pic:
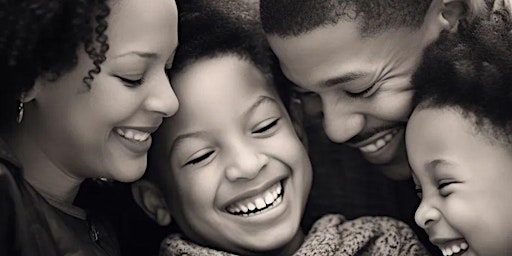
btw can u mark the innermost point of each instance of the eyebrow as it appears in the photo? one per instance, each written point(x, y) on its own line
point(181, 138)
point(147, 55)
point(261, 100)
point(435, 163)
point(345, 78)
point(197, 134)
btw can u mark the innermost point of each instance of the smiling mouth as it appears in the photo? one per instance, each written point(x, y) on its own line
point(379, 143)
point(454, 248)
point(258, 204)
point(133, 134)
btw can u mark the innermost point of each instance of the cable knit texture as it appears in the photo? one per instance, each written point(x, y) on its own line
point(331, 235)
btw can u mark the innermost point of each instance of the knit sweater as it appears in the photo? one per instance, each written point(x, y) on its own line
point(331, 235)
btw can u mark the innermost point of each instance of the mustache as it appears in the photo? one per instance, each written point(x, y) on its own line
point(368, 134)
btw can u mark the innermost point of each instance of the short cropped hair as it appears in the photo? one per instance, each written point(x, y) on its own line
point(286, 18)
point(471, 71)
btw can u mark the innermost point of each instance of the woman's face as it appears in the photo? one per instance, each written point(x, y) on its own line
point(104, 130)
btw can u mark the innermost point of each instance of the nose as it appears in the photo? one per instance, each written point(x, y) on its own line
point(426, 215)
point(341, 121)
point(245, 163)
point(161, 98)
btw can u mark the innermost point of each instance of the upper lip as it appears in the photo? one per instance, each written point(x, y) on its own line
point(442, 241)
point(363, 140)
point(254, 191)
point(148, 129)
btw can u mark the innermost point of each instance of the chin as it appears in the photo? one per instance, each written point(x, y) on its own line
point(129, 172)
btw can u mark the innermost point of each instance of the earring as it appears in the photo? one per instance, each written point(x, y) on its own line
point(20, 113)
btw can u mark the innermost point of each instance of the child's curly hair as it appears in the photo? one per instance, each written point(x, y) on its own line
point(471, 71)
point(42, 38)
point(225, 27)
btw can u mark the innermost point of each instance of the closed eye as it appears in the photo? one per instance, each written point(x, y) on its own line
point(130, 82)
point(200, 158)
point(443, 187)
point(361, 94)
point(266, 126)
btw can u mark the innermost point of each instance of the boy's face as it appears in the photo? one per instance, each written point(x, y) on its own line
point(363, 83)
point(465, 181)
point(238, 176)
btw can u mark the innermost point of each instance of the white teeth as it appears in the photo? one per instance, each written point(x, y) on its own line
point(133, 134)
point(260, 203)
point(267, 199)
point(453, 248)
point(380, 143)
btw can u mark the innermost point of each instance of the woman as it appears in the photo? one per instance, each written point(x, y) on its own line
point(84, 88)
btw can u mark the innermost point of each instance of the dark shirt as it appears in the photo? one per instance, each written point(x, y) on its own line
point(32, 224)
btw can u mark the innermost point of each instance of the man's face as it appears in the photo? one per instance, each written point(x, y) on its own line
point(363, 83)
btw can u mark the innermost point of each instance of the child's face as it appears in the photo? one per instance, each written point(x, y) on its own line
point(465, 182)
point(238, 175)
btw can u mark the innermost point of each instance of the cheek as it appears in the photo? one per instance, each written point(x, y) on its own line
point(395, 106)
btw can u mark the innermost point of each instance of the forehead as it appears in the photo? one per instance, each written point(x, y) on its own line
point(434, 133)
point(217, 89)
point(142, 24)
point(334, 49)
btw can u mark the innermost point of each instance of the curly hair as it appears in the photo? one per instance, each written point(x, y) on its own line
point(223, 27)
point(292, 18)
point(42, 38)
point(471, 72)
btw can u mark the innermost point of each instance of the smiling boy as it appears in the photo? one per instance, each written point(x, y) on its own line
point(459, 140)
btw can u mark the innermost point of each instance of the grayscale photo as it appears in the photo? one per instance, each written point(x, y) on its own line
point(256, 127)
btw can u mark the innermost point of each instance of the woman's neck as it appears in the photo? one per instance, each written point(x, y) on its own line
point(43, 173)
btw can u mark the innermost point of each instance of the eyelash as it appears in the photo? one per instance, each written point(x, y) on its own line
point(360, 94)
point(131, 83)
point(443, 185)
point(199, 159)
point(267, 127)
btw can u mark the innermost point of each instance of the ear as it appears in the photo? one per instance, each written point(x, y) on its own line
point(453, 11)
point(34, 91)
point(149, 197)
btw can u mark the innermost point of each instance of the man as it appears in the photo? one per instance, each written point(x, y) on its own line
point(358, 57)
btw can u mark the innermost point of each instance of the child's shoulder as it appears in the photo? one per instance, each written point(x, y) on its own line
point(176, 244)
point(383, 235)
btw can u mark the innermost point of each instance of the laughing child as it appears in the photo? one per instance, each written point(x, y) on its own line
point(459, 140)
point(229, 167)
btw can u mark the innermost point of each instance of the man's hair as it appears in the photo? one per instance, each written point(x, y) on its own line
point(471, 72)
point(292, 18)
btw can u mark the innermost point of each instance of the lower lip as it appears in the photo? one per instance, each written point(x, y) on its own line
point(137, 147)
